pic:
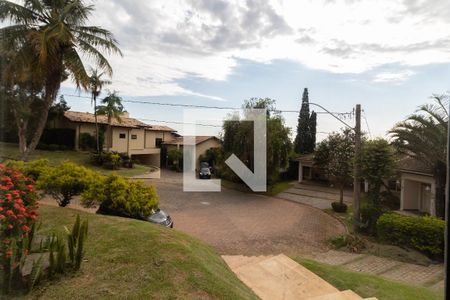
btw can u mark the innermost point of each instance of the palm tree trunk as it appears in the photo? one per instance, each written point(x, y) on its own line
point(341, 194)
point(96, 125)
point(110, 133)
point(440, 177)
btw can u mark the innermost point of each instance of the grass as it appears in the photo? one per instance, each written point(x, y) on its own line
point(11, 151)
point(130, 259)
point(272, 190)
point(367, 285)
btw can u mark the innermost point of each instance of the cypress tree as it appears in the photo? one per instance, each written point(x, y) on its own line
point(306, 128)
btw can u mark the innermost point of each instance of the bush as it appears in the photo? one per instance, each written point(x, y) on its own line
point(87, 141)
point(369, 217)
point(65, 181)
point(109, 160)
point(119, 196)
point(32, 169)
point(53, 147)
point(339, 207)
point(425, 234)
point(17, 218)
point(353, 243)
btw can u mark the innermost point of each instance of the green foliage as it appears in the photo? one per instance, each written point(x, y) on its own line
point(377, 164)
point(119, 196)
point(36, 273)
point(175, 157)
point(65, 181)
point(335, 156)
point(75, 242)
point(32, 169)
point(425, 234)
point(305, 140)
point(351, 242)
point(57, 255)
point(370, 213)
point(339, 207)
point(237, 140)
point(87, 141)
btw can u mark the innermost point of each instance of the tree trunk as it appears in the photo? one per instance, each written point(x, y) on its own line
point(96, 124)
point(52, 86)
point(341, 194)
point(110, 133)
point(440, 177)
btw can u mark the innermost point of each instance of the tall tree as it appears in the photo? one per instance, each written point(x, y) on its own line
point(112, 108)
point(236, 139)
point(335, 155)
point(44, 45)
point(96, 84)
point(305, 141)
point(423, 135)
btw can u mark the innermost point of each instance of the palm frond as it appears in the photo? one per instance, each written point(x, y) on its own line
point(17, 13)
point(92, 52)
point(76, 67)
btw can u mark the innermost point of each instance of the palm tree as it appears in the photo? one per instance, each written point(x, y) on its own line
point(112, 108)
point(423, 135)
point(45, 43)
point(96, 84)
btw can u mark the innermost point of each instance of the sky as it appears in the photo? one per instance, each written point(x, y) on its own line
point(390, 56)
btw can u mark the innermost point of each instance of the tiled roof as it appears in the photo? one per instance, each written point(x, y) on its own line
point(414, 165)
point(198, 140)
point(305, 158)
point(84, 117)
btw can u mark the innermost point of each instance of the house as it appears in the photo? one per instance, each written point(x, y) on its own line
point(202, 144)
point(139, 140)
point(418, 186)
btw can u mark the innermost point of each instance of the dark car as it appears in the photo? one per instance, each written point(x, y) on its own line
point(205, 173)
point(160, 217)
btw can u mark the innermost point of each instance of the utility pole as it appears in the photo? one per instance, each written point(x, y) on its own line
point(447, 218)
point(357, 169)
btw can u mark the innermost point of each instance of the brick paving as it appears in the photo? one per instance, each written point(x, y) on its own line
point(245, 223)
point(429, 276)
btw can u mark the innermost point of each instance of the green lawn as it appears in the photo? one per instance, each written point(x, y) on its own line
point(367, 285)
point(272, 190)
point(11, 151)
point(130, 259)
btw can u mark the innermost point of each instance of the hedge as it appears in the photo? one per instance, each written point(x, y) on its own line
point(425, 234)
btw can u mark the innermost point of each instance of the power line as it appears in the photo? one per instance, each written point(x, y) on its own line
point(181, 123)
point(367, 123)
point(342, 114)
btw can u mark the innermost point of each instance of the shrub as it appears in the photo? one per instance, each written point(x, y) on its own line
point(111, 161)
point(425, 234)
point(87, 141)
point(119, 196)
point(369, 216)
point(75, 242)
point(18, 211)
point(339, 207)
point(32, 169)
point(65, 181)
point(352, 242)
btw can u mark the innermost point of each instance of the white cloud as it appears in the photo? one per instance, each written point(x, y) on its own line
point(394, 77)
point(166, 41)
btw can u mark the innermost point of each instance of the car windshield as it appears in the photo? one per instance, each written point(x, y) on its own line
point(204, 170)
point(158, 217)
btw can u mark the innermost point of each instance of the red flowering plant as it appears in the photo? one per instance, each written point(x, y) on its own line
point(18, 212)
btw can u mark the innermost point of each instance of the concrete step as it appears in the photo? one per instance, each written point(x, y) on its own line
point(334, 196)
point(342, 295)
point(236, 261)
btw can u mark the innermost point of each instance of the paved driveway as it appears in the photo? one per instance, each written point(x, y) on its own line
point(245, 223)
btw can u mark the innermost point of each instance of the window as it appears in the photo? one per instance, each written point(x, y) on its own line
point(122, 136)
point(158, 142)
point(133, 136)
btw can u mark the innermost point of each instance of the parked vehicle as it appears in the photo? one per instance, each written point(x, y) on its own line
point(161, 218)
point(205, 173)
point(158, 216)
